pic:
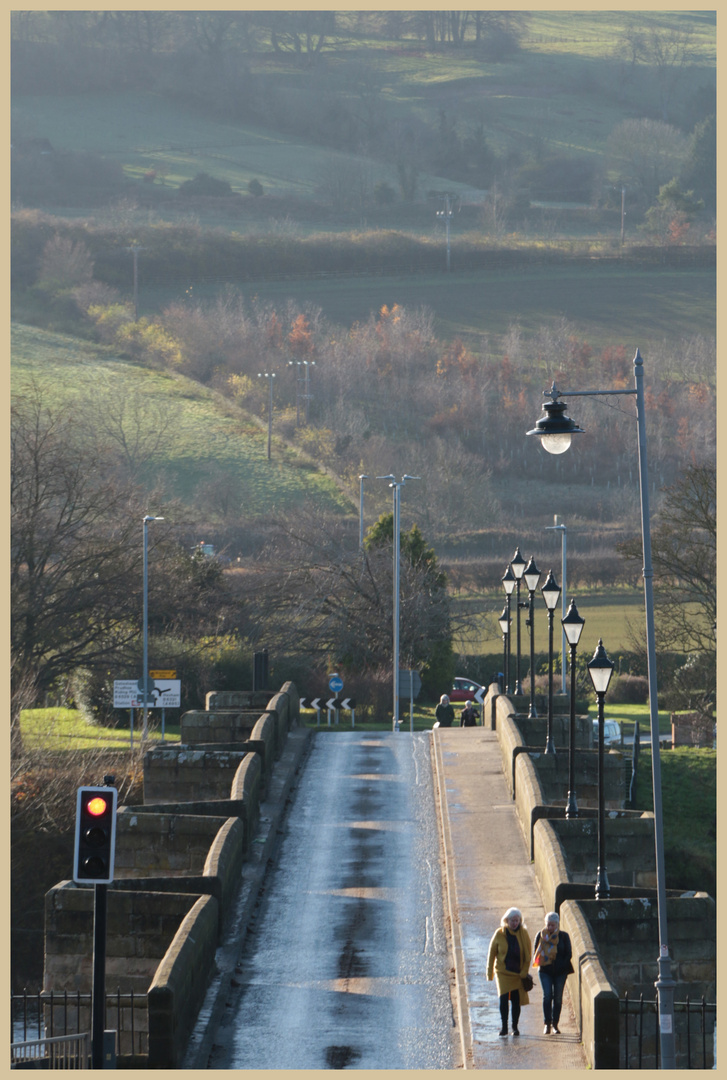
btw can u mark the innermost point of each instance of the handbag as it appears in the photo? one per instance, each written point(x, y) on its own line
point(527, 982)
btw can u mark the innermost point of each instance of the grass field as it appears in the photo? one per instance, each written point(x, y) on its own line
point(208, 444)
point(65, 730)
point(607, 614)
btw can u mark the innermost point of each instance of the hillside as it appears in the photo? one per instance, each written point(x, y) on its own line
point(212, 457)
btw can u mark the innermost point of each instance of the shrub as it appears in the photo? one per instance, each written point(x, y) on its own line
point(384, 194)
point(255, 188)
point(204, 184)
point(628, 690)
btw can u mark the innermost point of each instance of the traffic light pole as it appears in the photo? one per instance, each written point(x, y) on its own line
point(98, 992)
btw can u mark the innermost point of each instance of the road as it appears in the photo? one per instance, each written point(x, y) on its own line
point(347, 963)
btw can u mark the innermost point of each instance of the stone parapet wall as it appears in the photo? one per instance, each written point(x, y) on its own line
point(221, 726)
point(184, 774)
point(180, 984)
point(236, 699)
point(166, 844)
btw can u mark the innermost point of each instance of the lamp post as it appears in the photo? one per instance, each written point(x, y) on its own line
point(269, 376)
point(397, 486)
point(555, 429)
point(361, 479)
point(508, 581)
point(600, 669)
point(517, 565)
point(504, 622)
point(558, 527)
point(573, 624)
point(532, 577)
point(144, 685)
point(551, 595)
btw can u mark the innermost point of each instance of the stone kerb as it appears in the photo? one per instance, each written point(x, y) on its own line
point(180, 983)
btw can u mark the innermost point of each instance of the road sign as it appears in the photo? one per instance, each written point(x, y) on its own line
point(166, 674)
point(335, 683)
point(163, 694)
point(407, 683)
point(348, 703)
point(480, 695)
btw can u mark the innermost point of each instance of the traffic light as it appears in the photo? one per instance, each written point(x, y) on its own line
point(93, 856)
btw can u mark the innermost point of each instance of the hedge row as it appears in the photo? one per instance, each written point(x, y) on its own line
point(182, 254)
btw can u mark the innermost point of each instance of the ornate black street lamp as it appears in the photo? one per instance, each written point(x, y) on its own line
point(551, 595)
point(532, 577)
point(504, 622)
point(572, 625)
point(517, 565)
point(600, 669)
point(508, 581)
point(555, 430)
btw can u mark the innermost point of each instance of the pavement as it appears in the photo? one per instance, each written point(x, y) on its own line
point(487, 870)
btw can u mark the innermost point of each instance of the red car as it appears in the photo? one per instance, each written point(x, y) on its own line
point(465, 690)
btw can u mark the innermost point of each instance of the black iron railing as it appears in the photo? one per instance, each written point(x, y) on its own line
point(694, 1031)
point(47, 1014)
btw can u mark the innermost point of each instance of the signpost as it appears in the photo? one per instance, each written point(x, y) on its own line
point(163, 692)
point(410, 683)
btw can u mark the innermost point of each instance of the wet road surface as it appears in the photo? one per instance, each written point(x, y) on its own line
point(346, 964)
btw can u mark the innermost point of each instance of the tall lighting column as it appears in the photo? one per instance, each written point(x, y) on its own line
point(145, 628)
point(600, 669)
point(532, 577)
point(397, 486)
point(551, 594)
point(269, 376)
point(361, 479)
point(558, 527)
point(555, 429)
point(517, 565)
point(573, 624)
point(508, 581)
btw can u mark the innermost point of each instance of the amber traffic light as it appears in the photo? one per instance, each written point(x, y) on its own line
point(93, 856)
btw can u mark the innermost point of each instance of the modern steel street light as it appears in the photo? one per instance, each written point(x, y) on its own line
point(559, 527)
point(504, 622)
point(145, 683)
point(361, 479)
point(551, 595)
point(573, 624)
point(532, 577)
point(517, 565)
point(269, 376)
point(600, 669)
point(508, 581)
point(397, 486)
point(555, 430)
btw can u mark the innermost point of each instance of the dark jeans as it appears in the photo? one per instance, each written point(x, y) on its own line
point(514, 996)
point(553, 986)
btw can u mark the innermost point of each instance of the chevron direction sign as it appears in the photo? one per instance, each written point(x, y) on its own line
point(328, 703)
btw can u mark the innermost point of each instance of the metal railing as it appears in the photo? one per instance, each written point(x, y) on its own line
point(694, 1031)
point(47, 1015)
point(61, 1052)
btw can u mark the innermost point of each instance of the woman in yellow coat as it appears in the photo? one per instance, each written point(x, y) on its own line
point(509, 962)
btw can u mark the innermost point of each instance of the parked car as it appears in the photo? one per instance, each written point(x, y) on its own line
point(464, 689)
point(611, 733)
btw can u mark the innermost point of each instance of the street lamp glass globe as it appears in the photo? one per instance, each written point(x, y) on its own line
point(531, 575)
point(517, 564)
point(556, 444)
point(600, 669)
point(550, 591)
point(508, 581)
point(573, 624)
point(504, 621)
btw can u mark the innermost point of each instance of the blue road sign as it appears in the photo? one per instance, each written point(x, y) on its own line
point(335, 683)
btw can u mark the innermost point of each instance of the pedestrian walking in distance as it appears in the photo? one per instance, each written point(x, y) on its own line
point(552, 957)
point(509, 961)
point(444, 712)
point(468, 716)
